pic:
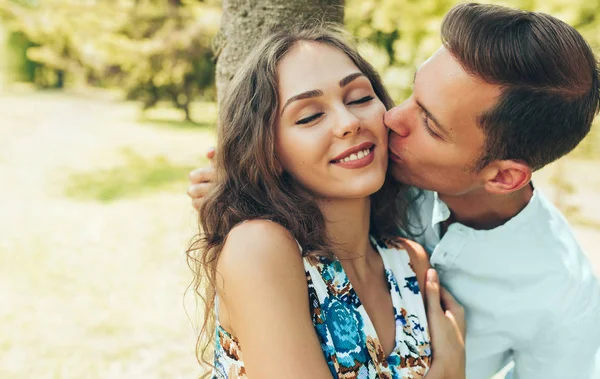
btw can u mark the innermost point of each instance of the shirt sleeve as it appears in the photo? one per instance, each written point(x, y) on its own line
point(567, 347)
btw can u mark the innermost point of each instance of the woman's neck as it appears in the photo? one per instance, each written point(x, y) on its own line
point(347, 223)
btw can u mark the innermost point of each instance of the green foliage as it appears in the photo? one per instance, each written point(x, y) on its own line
point(153, 50)
point(175, 45)
point(137, 176)
point(20, 67)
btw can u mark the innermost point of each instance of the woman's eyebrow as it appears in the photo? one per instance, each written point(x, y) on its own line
point(344, 82)
point(301, 96)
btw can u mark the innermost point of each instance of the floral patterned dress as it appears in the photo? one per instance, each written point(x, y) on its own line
point(347, 335)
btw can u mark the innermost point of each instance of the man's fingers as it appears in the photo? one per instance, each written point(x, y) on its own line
point(202, 175)
point(210, 154)
point(196, 191)
point(197, 203)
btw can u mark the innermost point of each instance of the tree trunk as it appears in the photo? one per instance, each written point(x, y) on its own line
point(244, 21)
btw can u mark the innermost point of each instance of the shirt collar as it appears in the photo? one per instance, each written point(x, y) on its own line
point(441, 212)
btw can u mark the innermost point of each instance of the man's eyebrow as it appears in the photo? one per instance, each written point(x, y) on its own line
point(301, 96)
point(440, 127)
point(344, 82)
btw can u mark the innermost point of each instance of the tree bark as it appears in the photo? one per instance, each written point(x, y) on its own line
point(244, 21)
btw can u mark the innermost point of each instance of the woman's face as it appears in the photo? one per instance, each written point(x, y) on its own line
point(330, 134)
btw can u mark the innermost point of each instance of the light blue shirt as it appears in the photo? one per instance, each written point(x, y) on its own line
point(528, 290)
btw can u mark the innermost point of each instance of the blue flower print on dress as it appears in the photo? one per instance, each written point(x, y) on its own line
point(412, 284)
point(392, 284)
point(346, 328)
point(338, 283)
point(318, 319)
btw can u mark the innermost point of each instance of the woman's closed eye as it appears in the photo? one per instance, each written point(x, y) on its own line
point(309, 119)
point(362, 100)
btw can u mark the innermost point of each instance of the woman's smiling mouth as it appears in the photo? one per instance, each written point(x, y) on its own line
point(356, 157)
point(353, 157)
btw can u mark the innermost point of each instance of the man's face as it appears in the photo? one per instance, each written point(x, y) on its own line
point(435, 140)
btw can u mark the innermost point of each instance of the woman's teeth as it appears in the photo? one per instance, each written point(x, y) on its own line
point(353, 157)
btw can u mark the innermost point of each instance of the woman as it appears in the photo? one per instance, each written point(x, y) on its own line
point(300, 211)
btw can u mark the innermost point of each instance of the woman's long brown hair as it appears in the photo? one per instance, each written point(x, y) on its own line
point(249, 183)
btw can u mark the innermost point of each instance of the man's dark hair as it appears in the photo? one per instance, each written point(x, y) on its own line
point(548, 74)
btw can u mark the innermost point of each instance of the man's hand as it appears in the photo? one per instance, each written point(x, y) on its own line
point(201, 182)
point(447, 326)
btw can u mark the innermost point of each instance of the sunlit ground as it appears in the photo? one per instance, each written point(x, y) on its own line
point(94, 222)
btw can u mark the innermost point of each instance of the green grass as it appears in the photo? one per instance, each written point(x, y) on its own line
point(136, 177)
point(96, 289)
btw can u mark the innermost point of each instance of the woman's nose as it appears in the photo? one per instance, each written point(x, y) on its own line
point(348, 124)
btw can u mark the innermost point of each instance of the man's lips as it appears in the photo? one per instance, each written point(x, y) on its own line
point(395, 157)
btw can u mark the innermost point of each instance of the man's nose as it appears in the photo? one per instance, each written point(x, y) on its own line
point(397, 118)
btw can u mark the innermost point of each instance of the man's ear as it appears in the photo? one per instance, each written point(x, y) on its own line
point(507, 176)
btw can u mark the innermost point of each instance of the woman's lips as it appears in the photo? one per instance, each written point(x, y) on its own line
point(358, 163)
point(353, 150)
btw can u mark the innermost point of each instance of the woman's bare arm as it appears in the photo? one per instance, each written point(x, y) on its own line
point(263, 287)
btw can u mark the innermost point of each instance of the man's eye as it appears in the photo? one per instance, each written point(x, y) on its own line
point(308, 119)
point(428, 128)
point(362, 100)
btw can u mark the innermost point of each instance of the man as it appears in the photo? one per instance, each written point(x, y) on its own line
point(509, 92)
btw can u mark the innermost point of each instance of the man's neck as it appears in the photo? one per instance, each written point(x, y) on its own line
point(484, 211)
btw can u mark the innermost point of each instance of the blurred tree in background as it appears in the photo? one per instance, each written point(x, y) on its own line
point(151, 49)
point(161, 49)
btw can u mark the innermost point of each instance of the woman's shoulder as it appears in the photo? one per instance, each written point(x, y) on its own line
point(258, 245)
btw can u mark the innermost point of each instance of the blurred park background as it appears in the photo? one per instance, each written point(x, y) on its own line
point(105, 106)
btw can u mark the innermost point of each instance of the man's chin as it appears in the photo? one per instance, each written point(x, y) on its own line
point(398, 172)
